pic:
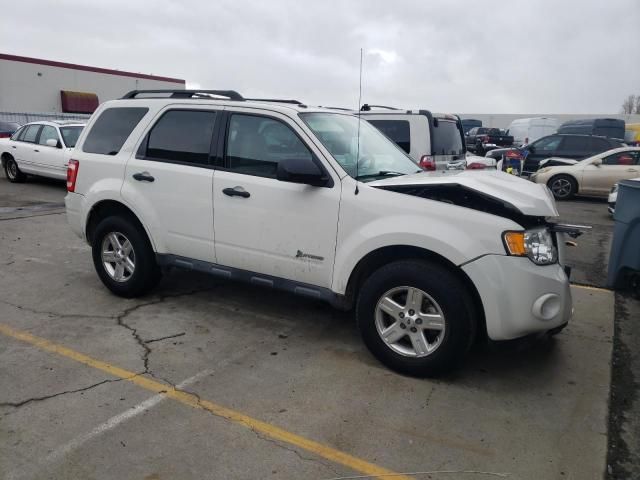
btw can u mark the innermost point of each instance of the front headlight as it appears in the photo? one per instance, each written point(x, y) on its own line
point(537, 244)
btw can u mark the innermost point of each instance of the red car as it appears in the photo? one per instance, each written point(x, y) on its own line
point(8, 128)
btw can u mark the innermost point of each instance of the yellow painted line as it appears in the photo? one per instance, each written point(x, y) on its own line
point(191, 400)
point(587, 287)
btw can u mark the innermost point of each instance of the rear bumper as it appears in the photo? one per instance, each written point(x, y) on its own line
point(519, 297)
point(74, 203)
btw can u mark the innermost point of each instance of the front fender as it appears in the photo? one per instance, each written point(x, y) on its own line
point(373, 220)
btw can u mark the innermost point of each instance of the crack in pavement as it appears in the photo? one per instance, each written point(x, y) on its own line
point(176, 335)
point(58, 394)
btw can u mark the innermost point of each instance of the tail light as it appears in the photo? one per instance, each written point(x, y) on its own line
point(476, 166)
point(427, 163)
point(4, 135)
point(72, 175)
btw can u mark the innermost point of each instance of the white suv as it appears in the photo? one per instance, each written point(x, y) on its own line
point(268, 193)
point(39, 148)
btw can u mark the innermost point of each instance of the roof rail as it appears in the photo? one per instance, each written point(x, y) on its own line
point(336, 108)
point(276, 100)
point(366, 107)
point(199, 94)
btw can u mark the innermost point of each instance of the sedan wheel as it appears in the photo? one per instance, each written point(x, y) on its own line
point(562, 187)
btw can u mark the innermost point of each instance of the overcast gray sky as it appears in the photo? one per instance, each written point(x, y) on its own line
point(508, 56)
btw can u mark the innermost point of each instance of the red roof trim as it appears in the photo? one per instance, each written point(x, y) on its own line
point(85, 68)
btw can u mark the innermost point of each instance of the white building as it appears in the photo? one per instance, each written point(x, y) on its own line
point(37, 85)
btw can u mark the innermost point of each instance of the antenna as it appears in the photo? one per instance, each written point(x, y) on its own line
point(358, 144)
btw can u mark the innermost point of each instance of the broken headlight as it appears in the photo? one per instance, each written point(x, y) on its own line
point(537, 244)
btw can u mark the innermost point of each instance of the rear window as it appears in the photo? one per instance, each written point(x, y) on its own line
point(447, 138)
point(396, 130)
point(70, 135)
point(111, 130)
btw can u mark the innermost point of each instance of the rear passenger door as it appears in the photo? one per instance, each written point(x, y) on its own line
point(619, 166)
point(24, 151)
point(50, 160)
point(170, 178)
point(264, 225)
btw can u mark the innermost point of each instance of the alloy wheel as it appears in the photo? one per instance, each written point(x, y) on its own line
point(410, 322)
point(118, 257)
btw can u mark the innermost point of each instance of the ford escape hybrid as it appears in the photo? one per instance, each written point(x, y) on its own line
point(307, 200)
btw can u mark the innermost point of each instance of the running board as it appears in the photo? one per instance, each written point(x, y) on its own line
point(236, 274)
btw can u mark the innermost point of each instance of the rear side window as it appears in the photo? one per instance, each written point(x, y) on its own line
point(48, 133)
point(599, 145)
point(623, 158)
point(575, 144)
point(31, 133)
point(111, 130)
point(182, 136)
point(396, 130)
point(447, 138)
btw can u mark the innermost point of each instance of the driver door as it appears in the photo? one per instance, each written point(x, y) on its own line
point(599, 179)
point(264, 225)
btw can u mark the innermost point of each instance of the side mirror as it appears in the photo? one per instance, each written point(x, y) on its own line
point(531, 148)
point(52, 142)
point(298, 170)
point(597, 162)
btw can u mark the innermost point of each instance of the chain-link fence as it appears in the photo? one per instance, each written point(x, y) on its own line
point(23, 118)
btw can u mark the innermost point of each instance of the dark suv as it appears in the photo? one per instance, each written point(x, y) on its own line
point(576, 147)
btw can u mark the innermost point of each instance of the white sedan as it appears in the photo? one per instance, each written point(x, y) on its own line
point(592, 176)
point(39, 148)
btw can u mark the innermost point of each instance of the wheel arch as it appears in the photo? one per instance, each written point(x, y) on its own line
point(4, 157)
point(106, 208)
point(385, 255)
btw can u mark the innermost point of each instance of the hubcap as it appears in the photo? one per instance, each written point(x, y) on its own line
point(561, 187)
point(12, 169)
point(118, 257)
point(410, 322)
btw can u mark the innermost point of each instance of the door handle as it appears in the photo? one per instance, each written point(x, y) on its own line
point(36, 150)
point(143, 177)
point(632, 170)
point(13, 146)
point(236, 192)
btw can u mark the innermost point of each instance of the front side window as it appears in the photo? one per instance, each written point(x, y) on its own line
point(48, 133)
point(70, 135)
point(182, 136)
point(31, 133)
point(574, 144)
point(397, 130)
point(447, 138)
point(111, 130)
point(622, 158)
point(19, 133)
point(360, 148)
point(255, 145)
point(547, 144)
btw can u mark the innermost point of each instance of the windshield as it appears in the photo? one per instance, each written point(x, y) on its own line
point(70, 135)
point(447, 138)
point(379, 157)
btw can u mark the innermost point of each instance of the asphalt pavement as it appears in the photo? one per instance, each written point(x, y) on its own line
point(207, 379)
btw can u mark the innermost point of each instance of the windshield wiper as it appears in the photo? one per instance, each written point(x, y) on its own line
point(384, 173)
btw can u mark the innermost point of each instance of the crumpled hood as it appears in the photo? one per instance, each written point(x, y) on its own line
point(527, 197)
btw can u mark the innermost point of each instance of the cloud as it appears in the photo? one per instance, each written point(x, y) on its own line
point(520, 56)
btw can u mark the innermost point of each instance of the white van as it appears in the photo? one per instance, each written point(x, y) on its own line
point(527, 130)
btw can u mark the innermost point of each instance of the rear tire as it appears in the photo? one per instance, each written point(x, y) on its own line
point(123, 257)
point(13, 173)
point(563, 187)
point(429, 339)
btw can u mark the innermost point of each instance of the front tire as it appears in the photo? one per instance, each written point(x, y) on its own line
point(563, 187)
point(123, 257)
point(416, 317)
point(13, 173)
